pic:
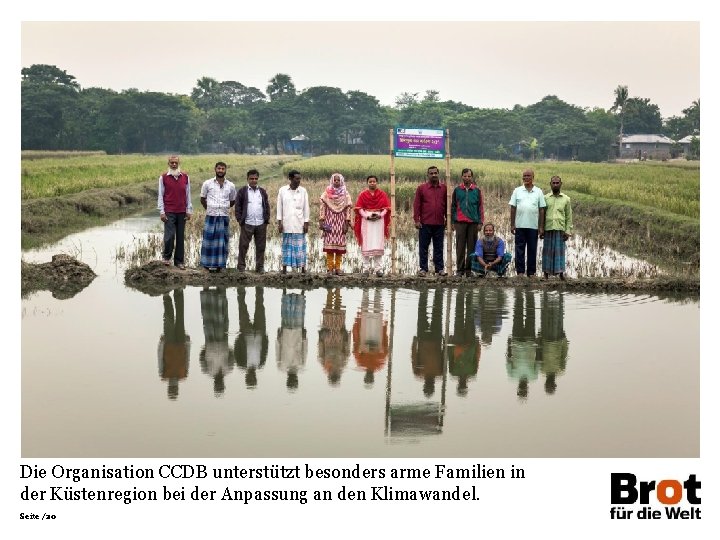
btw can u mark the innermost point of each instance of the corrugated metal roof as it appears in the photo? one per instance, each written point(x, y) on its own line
point(688, 139)
point(647, 139)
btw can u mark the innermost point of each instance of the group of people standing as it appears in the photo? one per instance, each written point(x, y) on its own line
point(369, 218)
point(217, 196)
point(533, 216)
point(548, 217)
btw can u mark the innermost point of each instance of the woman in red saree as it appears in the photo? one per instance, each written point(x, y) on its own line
point(372, 225)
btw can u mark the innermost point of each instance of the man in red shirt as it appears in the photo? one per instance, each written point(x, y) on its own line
point(430, 216)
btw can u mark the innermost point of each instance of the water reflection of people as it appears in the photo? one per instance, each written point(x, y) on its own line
point(463, 344)
point(291, 346)
point(370, 336)
point(553, 342)
point(522, 350)
point(334, 339)
point(427, 346)
point(251, 344)
point(489, 304)
point(174, 346)
point(215, 356)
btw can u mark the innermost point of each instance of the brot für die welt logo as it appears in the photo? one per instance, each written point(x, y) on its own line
point(679, 499)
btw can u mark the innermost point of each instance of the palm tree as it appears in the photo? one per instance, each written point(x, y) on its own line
point(206, 93)
point(280, 85)
point(621, 97)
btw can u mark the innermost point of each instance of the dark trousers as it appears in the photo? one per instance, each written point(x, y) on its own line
point(174, 237)
point(259, 234)
point(436, 235)
point(174, 319)
point(465, 238)
point(523, 328)
point(526, 239)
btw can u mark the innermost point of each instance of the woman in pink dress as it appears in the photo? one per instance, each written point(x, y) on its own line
point(335, 208)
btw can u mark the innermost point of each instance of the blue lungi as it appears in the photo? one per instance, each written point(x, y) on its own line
point(216, 237)
point(294, 250)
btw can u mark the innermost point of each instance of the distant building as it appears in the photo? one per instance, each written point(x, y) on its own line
point(646, 147)
point(298, 145)
point(686, 141)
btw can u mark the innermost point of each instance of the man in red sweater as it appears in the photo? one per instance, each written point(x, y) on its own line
point(175, 208)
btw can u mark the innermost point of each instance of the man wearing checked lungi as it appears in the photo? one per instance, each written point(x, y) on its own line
point(217, 195)
point(558, 228)
point(293, 215)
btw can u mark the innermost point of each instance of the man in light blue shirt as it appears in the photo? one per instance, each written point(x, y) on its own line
point(527, 221)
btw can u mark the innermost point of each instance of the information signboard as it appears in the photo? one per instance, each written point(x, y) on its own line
point(419, 142)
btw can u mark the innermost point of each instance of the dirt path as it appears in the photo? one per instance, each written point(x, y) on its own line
point(156, 278)
point(66, 276)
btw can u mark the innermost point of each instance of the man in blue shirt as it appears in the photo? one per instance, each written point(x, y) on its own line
point(490, 253)
point(527, 222)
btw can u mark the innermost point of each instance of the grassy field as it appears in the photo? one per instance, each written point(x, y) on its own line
point(63, 192)
point(673, 187)
point(67, 174)
point(649, 210)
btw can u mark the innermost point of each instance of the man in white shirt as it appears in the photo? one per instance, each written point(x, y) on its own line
point(293, 215)
point(216, 355)
point(292, 344)
point(217, 195)
point(252, 211)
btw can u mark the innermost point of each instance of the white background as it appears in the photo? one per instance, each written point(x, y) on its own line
point(561, 498)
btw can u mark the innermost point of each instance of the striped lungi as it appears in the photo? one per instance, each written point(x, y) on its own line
point(216, 236)
point(292, 310)
point(553, 254)
point(294, 250)
point(214, 313)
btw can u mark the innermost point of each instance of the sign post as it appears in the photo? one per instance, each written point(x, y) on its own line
point(393, 235)
point(448, 217)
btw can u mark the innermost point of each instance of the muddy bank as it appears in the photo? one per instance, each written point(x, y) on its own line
point(50, 219)
point(156, 278)
point(64, 276)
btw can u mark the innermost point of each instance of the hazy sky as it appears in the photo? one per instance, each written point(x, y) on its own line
point(483, 64)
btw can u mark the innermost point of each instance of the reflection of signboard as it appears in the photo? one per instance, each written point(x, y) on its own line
point(415, 419)
point(419, 142)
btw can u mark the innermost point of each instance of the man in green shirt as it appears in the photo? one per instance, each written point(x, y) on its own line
point(558, 228)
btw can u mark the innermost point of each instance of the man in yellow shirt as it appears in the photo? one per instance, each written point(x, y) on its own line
point(558, 228)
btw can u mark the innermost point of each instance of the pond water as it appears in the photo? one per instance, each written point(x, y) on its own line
point(267, 372)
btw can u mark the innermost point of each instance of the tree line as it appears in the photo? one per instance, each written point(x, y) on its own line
point(227, 116)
